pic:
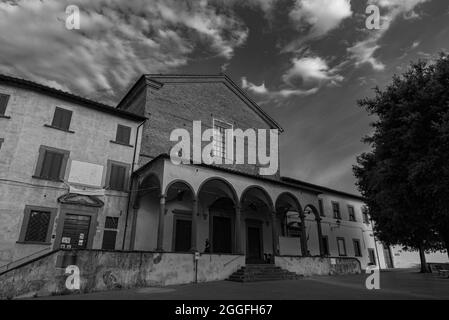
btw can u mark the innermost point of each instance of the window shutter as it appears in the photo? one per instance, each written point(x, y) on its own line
point(62, 118)
point(109, 239)
point(123, 134)
point(4, 98)
point(117, 178)
point(51, 166)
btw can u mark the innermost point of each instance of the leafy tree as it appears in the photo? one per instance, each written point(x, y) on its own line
point(405, 177)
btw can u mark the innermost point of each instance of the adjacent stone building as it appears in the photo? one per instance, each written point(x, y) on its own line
point(65, 163)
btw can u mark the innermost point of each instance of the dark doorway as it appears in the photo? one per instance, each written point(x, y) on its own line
point(75, 232)
point(222, 235)
point(254, 245)
point(388, 257)
point(183, 235)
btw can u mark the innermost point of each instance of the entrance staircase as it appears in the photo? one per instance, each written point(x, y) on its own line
point(262, 272)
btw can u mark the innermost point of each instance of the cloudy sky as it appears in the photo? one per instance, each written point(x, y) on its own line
point(306, 62)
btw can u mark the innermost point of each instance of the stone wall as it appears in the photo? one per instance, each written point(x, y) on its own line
point(108, 270)
point(308, 266)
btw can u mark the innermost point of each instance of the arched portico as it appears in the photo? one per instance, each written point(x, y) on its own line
point(291, 219)
point(181, 201)
point(310, 209)
point(217, 201)
point(261, 236)
point(148, 217)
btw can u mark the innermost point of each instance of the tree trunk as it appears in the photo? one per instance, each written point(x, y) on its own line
point(422, 257)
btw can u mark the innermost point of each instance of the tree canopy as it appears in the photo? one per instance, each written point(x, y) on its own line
point(405, 177)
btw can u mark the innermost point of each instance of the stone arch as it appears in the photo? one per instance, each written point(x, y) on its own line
point(258, 212)
point(286, 202)
point(218, 201)
point(313, 210)
point(180, 199)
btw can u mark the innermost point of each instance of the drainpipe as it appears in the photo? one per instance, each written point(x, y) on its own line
point(130, 184)
point(375, 244)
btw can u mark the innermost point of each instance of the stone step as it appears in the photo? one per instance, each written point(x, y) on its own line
point(262, 272)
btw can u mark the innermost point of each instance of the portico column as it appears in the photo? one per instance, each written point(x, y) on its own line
point(238, 230)
point(274, 234)
point(160, 229)
point(194, 224)
point(304, 248)
point(320, 235)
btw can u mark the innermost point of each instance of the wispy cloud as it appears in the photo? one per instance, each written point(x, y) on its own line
point(275, 94)
point(311, 71)
point(363, 52)
point(118, 40)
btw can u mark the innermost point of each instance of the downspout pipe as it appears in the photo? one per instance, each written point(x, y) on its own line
point(375, 244)
point(131, 184)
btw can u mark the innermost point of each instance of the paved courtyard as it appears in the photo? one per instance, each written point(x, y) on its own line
point(398, 284)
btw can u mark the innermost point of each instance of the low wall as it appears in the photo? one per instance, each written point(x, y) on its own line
point(106, 270)
point(308, 266)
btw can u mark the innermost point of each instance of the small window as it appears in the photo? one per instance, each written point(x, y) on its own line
point(62, 119)
point(365, 215)
point(357, 249)
point(51, 163)
point(372, 257)
point(321, 207)
point(1, 142)
point(351, 213)
point(110, 233)
point(325, 242)
point(118, 176)
point(341, 246)
point(37, 225)
point(123, 134)
point(4, 98)
point(220, 128)
point(336, 210)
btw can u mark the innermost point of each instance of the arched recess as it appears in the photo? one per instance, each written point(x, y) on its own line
point(180, 202)
point(217, 201)
point(310, 209)
point(146, 224)
point(258, 213)
point(291, 221)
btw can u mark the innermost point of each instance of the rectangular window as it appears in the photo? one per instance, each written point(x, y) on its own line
point(325, 241)
point(365, 215)
point(51, 164)
point(123, 134)
point(351, 213)
point(372, 257)
point(1, 142)
point(4, 98)
point(62, 119)
point(117, 176)
point(37, 225)
point(220, 128)
point(341, 246)
point(336, 210)
point(110, 233)
point(357, 249)
point(321, 207)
